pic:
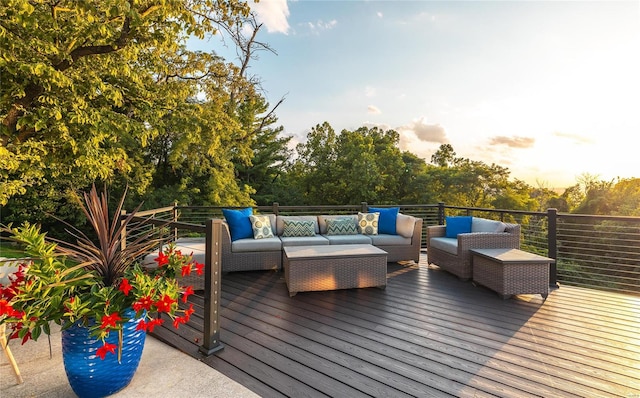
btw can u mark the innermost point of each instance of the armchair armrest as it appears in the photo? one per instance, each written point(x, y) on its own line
point(510, 239)
point(435, 231)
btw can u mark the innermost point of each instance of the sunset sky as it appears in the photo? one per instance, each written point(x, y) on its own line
point(550, 90)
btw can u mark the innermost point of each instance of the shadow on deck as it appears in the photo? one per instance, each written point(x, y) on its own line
point(427, 334)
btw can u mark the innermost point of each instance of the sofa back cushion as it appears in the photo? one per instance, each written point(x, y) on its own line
point(483, 225)
point(405, 225)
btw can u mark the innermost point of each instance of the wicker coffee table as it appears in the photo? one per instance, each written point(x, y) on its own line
point(331, 267)
point(511, 271)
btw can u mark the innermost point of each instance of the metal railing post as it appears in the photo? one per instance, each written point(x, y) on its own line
point(123, 234)
point(212, 288)
point(552, 244)
point(440, 213)
point(364, 207)
point(175, 219)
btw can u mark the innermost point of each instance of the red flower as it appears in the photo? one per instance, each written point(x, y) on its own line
point(125, 287)
point(162, 259)
point(199, 268)
point(178, 321)
point(143, 303)
point(164, 305)
point(5, 307)
point(188, 291)
point(189, 311)
point(109, 321)
point(153, 323)
point(8, 310)
point(107, 347)
point(142, 325)
point(186, 269)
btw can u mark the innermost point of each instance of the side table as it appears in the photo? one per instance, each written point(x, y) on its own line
point(511, 271)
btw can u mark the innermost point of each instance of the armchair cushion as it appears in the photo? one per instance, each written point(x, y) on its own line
point(457, 225)
point(404, 225)
point(449, 245)
point(483, 225)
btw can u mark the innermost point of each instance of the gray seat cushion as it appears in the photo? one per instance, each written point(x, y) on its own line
point(449, 245)
point(484, 225)
point(256, 245)
point(389, 240)
point(304, 240)
point(348, 239)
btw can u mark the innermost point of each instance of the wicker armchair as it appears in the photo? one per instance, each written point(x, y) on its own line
point(460, 264)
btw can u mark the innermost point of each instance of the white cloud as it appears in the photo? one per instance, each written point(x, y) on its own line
point(274, 14)
point(425, 132)
point(374, 110)
point(513, 142)
point(321, 25)
point(380, 15)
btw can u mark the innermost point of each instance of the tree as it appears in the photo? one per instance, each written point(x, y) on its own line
point(107, 91)
point(79, 81)
point(444, 156)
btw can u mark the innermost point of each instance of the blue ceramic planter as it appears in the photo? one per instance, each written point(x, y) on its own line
point(92, 377)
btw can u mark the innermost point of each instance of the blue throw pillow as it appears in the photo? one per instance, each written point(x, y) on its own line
point(239, 223)
point(387, 221)
point(458, 225)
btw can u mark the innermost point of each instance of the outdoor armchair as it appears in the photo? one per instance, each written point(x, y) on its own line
point(452, 254)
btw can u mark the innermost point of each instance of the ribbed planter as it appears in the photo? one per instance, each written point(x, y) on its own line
point(90, 376)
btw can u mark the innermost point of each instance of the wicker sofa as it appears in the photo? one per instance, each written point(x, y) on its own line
point(452, 254)
point(249, 254)
point(259, 254)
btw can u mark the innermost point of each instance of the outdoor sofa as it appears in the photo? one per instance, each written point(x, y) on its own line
point(401, 238)
point(448, 245)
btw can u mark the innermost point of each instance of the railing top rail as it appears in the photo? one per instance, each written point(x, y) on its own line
point(170, 224)
point(152, 212)
point(599, 217)
point(482, 209)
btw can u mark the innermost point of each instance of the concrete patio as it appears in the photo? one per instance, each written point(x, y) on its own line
point(163, 372)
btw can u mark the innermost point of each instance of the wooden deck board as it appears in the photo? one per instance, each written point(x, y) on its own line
point(426, 334)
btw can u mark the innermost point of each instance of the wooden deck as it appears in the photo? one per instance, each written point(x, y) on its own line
point(427, 334)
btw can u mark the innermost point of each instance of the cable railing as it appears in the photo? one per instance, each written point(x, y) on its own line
point(599, 252)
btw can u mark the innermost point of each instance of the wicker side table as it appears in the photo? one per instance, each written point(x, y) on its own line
point(331, 267)
point(511, 271)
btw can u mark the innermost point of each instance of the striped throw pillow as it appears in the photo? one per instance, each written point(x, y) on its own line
point(341, 226)
point(293, 228)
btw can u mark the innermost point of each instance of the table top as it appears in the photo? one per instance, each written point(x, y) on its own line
point(506, 256)
point(316, 251)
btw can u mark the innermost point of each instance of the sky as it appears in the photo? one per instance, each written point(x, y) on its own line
point(549, 90)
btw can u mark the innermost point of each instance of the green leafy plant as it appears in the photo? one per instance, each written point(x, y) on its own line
point(94, 282)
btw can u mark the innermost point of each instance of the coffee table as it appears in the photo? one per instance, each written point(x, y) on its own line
point(511, 271)
point(331, 267)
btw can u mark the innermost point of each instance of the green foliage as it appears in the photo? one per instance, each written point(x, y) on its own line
point(88, 86)
point(93, 281)
point(350, 167)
